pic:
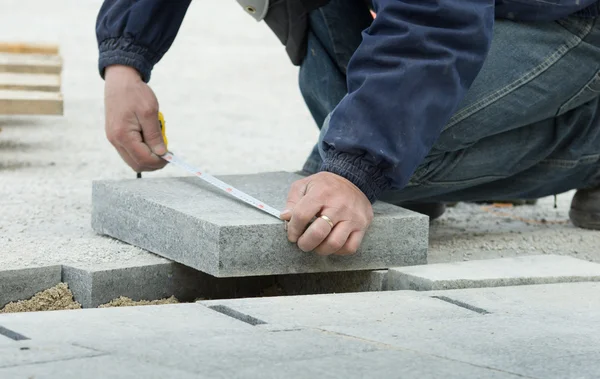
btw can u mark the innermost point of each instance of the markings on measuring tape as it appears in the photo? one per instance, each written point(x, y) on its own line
point(171, 158)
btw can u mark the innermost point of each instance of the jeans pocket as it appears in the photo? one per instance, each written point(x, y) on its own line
point(590, 91)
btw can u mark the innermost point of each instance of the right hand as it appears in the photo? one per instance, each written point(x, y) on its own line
point(132, 126)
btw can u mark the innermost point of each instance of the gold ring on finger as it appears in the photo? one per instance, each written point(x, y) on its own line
point(327, 219)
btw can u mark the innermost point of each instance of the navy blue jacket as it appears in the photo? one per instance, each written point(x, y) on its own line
point(414, 66)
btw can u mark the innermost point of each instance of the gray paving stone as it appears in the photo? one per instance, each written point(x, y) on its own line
point(343, 309)
point(30, 352)
point(22, 284)
point(95, 286)
point(577, 302)
point(107, 366)
point(333, 282)
point(224, 355)
point(188, 221)
point(549, 349)
point(377, 364)
point(533, 269)
point(114, 324)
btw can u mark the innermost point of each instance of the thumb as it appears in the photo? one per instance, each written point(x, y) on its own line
point(152, 134)
point(297, 191)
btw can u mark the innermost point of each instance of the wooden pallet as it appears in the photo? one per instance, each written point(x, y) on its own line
point(30, 79)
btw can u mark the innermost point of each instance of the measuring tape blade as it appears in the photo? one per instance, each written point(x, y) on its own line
point(171, 158)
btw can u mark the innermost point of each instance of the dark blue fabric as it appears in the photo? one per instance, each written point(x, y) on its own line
point(413, 67)
point(415, 64)
point(137, 33)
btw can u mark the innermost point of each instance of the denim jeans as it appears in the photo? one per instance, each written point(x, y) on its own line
point(529, 126)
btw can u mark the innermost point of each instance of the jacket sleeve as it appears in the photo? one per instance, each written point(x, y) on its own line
point(406, 79)
point(137, 33)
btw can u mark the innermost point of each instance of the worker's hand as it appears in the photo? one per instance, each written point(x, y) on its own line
point(132, 125)
point(330, 195)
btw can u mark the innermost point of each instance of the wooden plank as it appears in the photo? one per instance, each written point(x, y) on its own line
point(29, 82)
point(30, 103)
point(30, 63)
point(29, 48)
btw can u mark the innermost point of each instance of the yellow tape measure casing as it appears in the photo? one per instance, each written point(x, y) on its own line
point(163, 128)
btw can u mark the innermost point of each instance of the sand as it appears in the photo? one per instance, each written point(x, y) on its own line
point(60, 297)
point(56, 298)
point(127, 302)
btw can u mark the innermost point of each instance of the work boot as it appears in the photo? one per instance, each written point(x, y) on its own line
point(433, 210)
point(585, 209)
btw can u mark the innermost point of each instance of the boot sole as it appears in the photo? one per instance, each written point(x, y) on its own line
point(585, 220)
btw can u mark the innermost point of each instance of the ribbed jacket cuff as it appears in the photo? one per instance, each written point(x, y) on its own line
point(368, 178)
point(124, 51)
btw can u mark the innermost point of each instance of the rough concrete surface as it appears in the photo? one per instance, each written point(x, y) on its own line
point(93, 287)
point(219, 71)
point(24, 283)
point(403, 334)
point(538, 269)
point(189, 221)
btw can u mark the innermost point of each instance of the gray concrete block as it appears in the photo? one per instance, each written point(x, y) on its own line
point(93, 287)
point(533, 347)
point(533, 269)
point(109, 326)
point(31, 352)
point(188, 221)
point(225, 355)
point(333, 282)
point(106, 366)
point(574, 301)
point(22, 284)
point(345, 309)
point(375, 364)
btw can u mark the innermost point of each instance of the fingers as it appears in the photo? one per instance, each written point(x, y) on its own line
point(352, 244)
point(334, 240)
point(144, 159)
point(304, 212)
point(151, 133)
point(127, 158)
point(326, 194)
point(297, 191)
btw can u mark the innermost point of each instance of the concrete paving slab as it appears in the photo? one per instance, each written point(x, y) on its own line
point(21, 284)
point(535, 269)
point(31, 352)
point(226, 354)
point(48, 222)
point(342, 309)
point(188, 221)
point(377, 364)
point(106, 366)
point(523, 346)
point(194, 338)
point(574, 301)
point(93, 287)
point(113, 324)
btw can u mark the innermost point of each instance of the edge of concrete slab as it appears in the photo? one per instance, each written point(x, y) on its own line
point(501, 272)
point(22, 284)
point(224, 250)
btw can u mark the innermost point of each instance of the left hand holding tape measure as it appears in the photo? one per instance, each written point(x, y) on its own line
point(325, 212)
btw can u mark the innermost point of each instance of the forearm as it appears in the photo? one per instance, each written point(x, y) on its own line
point(405, 80)
point(137, 33)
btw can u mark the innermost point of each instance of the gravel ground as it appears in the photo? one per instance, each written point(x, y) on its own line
point(232, 106)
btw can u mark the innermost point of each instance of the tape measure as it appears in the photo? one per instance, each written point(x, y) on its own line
point(173, 159)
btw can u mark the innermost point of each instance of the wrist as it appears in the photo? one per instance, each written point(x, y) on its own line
point(369, 178)
point(120, 71)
